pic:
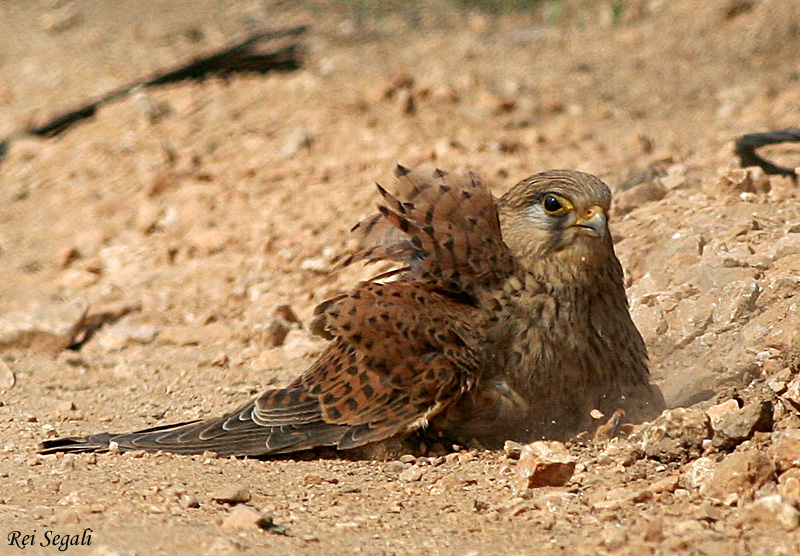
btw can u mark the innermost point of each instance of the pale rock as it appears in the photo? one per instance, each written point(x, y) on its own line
point(770, 511)
point(7, 377)
point(742, 425)
point(785, 449)
point(412, 474)
point(698, 472)
point(120, 335)
point(224, 547)
point(245, 517)
point(44, 326)
point(739, 475)
point(735, 301)
point(544, 463)
point(721, 410)
point(789, 485)
point(232, 494)
point(677, 434)
point(297, 139)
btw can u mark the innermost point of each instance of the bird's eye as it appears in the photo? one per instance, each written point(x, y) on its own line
point(555, 205)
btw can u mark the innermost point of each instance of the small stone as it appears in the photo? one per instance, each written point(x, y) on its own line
point(44, 326)
point(189, 501)
point(512, 450)
point(544, 463)
point(209, 241)
point(677, 434)
point(7, 377)
point(718, 412)
point(407, 458)
point(698, 472)
point(233, 494)
point(296, 140)
point(770, 510)
point(742, 425)
point(412, 474)
point(224, 547)
point(245, 517)
point(789, 486)
point(284, 320)
point(120, 335)
point(68, 516)
point(66, 255)
point(785, 450)
point(667, 484)
point(739, 475)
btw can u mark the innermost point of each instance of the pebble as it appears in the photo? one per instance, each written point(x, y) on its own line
point(297, 139)
point(223, 547)
point(770, 510)
point(120, 335)
point(742, 425)
point(245, 517)
point(512, 449)
point(785, 450)
point(44, 326)
point(189, 501)
point(412, 474)
point(789, 485)
point(739, 475)
point(677, 435)
point(233, 494)
point(721, 410)
point(7, 377)
point(697, 473)
point(544, 463)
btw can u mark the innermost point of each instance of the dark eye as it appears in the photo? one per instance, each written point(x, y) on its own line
point(551, 204)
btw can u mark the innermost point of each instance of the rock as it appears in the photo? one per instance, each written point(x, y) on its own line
point(677, 435)
point(792, 392)
point(233, 494)
point(721, 410)
point(638, 195)
point(210, 240)
point(742, 425)
point(544, 463)
point(283, 321)
point(513, 450)
point(785, 450)
point(7, 377)
point(739, 475)
point(296, 140)
point(770, 510)
point(245, 517)
point(789, 485)
point(412, 474)
point(742, 180)
point(698, 473)
point(224, 547)
point(44, 326)
point(189, 501)
point(120, 335)
point(68, 516)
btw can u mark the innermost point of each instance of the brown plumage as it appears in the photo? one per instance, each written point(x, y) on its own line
point(507, 320)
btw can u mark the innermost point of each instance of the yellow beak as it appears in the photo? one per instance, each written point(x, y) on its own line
point(592, 222)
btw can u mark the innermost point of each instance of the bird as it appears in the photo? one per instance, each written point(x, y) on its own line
point(503, 319)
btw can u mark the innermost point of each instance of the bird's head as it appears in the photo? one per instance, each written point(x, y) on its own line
point(558, 217)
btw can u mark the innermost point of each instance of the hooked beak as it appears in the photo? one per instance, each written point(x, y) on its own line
point(592, 222)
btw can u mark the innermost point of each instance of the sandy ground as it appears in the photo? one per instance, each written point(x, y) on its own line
point(144, 251)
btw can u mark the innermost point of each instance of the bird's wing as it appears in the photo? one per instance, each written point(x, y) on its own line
point(444, 226)
point(401, 353)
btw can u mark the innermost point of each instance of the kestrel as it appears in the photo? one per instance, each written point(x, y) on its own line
point(508, 319)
